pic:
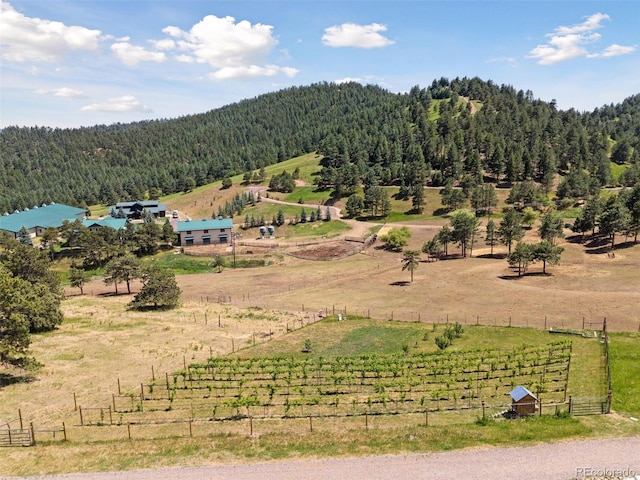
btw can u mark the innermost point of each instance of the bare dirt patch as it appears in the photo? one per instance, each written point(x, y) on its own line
point(327, 251)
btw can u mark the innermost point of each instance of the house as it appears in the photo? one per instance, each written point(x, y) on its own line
point(135, 210)
point(523, 401)
point(204, 232)
point(38, 219)
point(111, 222)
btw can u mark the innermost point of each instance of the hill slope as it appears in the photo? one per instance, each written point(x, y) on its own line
point(426, 135)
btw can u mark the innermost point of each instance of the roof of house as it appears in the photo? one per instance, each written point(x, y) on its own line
point(520, 392)
point(210, 224)
point(152, 206)
point(111, 222)
point(45, 216)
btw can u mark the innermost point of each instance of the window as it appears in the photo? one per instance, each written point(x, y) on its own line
point(205, 231)
point(206, 240)
point(189, 241)
point(222, 229)
point(188, 232)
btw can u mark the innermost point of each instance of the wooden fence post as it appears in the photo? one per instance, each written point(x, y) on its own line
point(310, 424)
point(20, 417)
point(483, 410)
point(366, 420)
point(426, 417)
point(33, 433)
point(64, 431)
point(119, 392)
point(129, 430)
point(81, 419)
point(75, 402)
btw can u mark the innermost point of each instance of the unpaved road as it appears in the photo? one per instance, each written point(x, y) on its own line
point(603, 458)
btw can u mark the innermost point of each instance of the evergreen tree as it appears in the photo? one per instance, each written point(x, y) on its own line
point(552, 227)
point(24, 237)
point(78, 278)
point(510, 228)
point(490, 235)
point(354, 206)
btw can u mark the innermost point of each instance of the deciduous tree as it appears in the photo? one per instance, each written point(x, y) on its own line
point(159, 290)
point(396, 238)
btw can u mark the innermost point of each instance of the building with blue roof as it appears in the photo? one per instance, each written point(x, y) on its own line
point(38, 219)
point(523, 401)
point(110, 222)
point(204, 232)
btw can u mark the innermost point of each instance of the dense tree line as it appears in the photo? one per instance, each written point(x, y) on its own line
point(30, 296)
point(462, 131)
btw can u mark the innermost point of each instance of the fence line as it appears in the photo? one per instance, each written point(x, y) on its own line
point(576, 326)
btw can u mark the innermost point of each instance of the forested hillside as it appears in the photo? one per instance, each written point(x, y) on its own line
point(465, 131)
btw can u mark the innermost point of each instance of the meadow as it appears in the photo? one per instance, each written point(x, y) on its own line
point(145, 380)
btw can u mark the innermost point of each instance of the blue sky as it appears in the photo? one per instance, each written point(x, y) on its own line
point(82, 63)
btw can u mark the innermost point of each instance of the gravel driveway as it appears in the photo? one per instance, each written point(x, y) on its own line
point(604, 458)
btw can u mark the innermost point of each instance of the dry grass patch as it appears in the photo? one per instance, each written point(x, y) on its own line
point(100, 342)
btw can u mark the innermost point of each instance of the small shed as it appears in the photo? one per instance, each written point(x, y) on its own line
point(523, 401)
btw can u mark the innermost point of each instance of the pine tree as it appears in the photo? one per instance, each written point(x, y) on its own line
point(24, 237)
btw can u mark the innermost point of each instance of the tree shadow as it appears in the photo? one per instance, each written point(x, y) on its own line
point(578, 238)
point(596, 242)
point(400, 283)
point(496, 256)
point(7, 379)
point(510, 277)
point(441, 212)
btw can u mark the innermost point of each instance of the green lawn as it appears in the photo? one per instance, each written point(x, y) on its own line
point(625, 368)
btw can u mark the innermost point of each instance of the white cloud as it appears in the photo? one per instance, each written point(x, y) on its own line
point(353, 35)
point(511, 61)
point(34, 39)
point(569, 42)
point(62, 92)
point(348, 80)
point(125, 104)
point(614, 50)
point(252, 71)
point(164, 44)
point(235, 50)
point(132, 55)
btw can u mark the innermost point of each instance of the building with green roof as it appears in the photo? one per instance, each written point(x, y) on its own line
point(37, 219)
point(110, 222)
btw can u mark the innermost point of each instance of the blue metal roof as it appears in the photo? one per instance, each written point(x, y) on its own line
point(211, 224)
point(520, 392)
point(111, 222)
point(46, 216)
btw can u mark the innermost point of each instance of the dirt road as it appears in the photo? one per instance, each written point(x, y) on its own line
point(604, 458)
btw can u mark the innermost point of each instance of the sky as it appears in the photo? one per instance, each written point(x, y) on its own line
point(98, 62)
